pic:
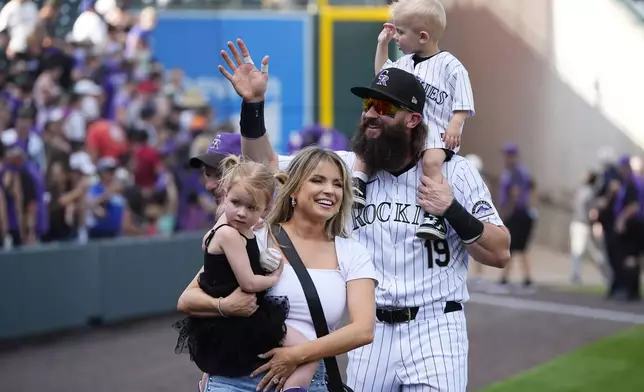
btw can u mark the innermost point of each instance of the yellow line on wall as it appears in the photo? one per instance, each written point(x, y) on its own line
point(328, 15)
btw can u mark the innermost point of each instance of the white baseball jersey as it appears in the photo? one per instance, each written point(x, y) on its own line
point(430, 352)
point(413, 272)
point(447, 87)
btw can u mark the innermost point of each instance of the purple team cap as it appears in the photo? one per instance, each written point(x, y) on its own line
point(625, 160)
point(303, 138)
point(511, 148)
point(317, 136)
point(222, 145)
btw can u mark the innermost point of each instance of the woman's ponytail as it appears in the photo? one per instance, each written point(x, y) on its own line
point(229, 163)
point(281, 177)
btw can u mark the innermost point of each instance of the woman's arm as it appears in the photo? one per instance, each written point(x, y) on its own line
point(76, 193)
point(361, 303)
point(234, 248)
point(358, 332)
point(196, 302)
point(127, 224)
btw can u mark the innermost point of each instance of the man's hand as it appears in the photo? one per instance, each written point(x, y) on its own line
point(249, 83)
point(434, 197)
point(239, 304)
point(387, 33)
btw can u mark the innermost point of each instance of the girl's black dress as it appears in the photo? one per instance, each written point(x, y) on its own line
point(229, 346)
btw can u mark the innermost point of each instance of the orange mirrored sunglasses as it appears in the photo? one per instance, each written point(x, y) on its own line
point(383, 108)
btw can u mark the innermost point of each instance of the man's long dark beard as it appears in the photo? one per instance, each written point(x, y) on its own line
point(389, 151)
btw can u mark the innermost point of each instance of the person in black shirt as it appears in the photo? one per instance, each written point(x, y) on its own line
point(629, 223)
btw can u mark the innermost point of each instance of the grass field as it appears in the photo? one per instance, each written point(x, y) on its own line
point(613, 363)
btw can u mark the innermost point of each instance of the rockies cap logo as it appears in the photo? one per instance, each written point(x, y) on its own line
point(214, 145)
point(382, 78)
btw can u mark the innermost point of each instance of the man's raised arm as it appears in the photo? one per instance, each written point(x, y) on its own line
point(250, 84)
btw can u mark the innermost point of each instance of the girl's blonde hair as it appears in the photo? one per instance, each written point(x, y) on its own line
point(423, 15)
point(258, 180)
point(298, 171)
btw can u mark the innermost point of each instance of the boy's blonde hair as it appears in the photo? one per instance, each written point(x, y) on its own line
point(423, 15)
point(298, 171)
point(258, 180)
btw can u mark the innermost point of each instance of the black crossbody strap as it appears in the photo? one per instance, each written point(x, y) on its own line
point(313, 300)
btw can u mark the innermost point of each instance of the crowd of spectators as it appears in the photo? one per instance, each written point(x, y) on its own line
point(94, 132)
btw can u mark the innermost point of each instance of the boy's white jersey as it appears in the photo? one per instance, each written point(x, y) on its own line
point(447, 87)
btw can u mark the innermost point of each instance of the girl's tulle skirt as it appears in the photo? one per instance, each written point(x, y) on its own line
point(230, 346)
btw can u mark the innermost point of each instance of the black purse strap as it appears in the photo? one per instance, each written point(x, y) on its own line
point(313, 300)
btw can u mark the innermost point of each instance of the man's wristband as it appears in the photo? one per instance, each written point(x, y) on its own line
point(251, 121)
point(468, 228)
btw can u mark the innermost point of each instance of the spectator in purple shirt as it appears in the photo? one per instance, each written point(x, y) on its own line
point(21, 201)
point(515, 206)
point(628, 209)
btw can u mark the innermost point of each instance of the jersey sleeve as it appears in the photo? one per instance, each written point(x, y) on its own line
point(459, 79)
point(356, 262)
point(402, 62)
point(471, 191)
point(389, 64)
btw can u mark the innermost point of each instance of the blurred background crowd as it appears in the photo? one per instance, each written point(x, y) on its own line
point(606, 229)
point(96, 134)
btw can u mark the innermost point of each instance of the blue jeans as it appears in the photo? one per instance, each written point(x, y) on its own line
point(248, 384)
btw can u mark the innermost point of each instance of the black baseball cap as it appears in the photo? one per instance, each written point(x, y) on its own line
point(396, 86)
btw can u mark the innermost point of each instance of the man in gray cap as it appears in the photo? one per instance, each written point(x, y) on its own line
point(222, 145)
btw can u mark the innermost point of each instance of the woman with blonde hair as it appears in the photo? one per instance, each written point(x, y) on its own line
point(312, 209)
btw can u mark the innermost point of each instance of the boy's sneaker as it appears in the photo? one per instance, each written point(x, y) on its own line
point(359, 193)
point(432, 228)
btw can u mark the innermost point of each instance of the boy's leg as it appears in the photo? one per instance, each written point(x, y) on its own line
point(432, 227)
point(360, 178)
point(303, 374)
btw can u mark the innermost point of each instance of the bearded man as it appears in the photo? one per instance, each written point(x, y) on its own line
point(420, 340)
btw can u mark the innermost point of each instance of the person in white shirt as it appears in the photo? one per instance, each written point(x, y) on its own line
point(313, 207)
point(75, 124)
point(581, 239)
point(90, 27)
point(19, 19)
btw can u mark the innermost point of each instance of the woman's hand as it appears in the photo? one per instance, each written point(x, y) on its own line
point(283, 362)
point(239, 304)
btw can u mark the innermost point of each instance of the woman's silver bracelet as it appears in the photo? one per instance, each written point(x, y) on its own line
point(219, 308)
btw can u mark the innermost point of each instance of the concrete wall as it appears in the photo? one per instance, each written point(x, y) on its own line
point(62, 286)
point(550, 75)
